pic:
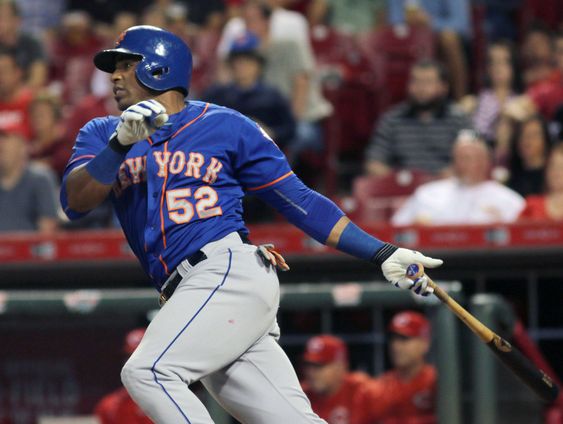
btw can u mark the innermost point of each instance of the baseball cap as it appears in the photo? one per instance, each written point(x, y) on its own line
point(132, 340)
point(246, 45)
point(410, 324)
point(325, 349)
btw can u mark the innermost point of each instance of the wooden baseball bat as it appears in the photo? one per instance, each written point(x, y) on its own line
point(533, 377)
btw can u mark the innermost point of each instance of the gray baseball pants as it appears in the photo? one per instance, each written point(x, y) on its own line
point(218, 327)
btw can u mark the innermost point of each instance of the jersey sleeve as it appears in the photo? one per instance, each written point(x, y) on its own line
point(259, 162)
point(91, 139)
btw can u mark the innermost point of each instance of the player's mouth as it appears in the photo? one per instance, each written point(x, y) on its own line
point(118, 92)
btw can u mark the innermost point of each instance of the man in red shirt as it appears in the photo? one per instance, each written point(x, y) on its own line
point(15, 98)
point(547, 95)
point(407, 393)
point(118, 407)
point(337, 395)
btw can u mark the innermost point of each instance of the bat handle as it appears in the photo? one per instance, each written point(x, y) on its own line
point(416, 270)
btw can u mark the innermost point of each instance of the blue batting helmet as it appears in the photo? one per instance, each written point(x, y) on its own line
point(165, 60)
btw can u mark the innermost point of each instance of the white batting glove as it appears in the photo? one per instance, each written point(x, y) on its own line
point(395, 266)
point(140, 121)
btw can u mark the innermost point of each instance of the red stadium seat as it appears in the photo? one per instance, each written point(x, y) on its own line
point(377, 198)
point(393, 51)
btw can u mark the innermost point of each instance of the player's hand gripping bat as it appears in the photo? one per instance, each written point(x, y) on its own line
point(535, 378)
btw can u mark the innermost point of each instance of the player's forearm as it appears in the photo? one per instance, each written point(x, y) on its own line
point(320, 218)
point(84, 193)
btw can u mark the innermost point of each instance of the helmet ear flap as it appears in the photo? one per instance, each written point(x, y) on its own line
point(160, 72)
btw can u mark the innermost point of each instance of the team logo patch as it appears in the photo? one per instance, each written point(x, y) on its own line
point(120, 38)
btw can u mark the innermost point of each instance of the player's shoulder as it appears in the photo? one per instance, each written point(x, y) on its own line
point(225, 116)
point(110, 402)
point(397, 113)
point(101, 124)
point(212, 110)
point(356, 382)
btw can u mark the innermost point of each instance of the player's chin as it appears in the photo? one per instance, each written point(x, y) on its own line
point(122, 103)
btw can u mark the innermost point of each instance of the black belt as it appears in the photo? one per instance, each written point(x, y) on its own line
point(173, 281)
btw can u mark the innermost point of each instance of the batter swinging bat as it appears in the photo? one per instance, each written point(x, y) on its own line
point(535, 378)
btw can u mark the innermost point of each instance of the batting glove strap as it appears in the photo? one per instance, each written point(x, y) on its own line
point(116, 146)
point(383, 254)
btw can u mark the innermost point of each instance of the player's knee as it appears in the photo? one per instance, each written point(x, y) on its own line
point(133, 374)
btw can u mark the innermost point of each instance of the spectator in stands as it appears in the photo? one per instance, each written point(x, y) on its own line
point(291, 69)
point(407, 393)
point(468, 197)
point(249, 95)
point(536, 53)
point(451, 21)
point(548, 206)
point(500, 19)
point(282, 24)
point(47, 144)
point(104, 11)
point(41, 18)
point(336, 394)
point(27, 195)
point(419, 133)
point(205, 14)
point(502, 84)
point(547, 94)
point(15, 97)
point(530, 148)
point(314, 10)
point(71, 57)
point(28, 50)
point(357, 16)
point(117, 407)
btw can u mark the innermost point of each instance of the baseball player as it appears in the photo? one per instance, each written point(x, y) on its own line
point(336, 395)
point(118, 407)
point(407, 393)
point(176, 172)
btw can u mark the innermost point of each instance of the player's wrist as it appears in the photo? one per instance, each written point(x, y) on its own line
point(358, 243)
point(384, 253)
point(118, 146)
point(104, 167)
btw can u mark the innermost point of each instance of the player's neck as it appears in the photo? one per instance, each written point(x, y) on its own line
point(410, 372)
point(172, 101)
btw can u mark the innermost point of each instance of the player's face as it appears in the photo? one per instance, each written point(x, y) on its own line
point(406, 352)
point(12, 152)
point(10, 74)
point(531, 143)
point(246, 70)
point(554, 174)
point(425, 86)
point(471, 162)
point(324, 378)
point(126, 89)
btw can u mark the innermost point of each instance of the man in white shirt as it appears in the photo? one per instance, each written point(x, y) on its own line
point(468, 197)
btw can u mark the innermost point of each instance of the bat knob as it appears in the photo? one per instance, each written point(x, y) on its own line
point(414, 271)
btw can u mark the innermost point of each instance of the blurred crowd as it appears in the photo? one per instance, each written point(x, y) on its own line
point(408, 111)
point(405, 394)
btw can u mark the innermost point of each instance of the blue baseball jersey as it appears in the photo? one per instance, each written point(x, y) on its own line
point(183, 187)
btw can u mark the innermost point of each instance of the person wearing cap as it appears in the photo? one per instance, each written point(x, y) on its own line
point(406, 394)
point(336, 394)
point(250, 95)
point(118, 407)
